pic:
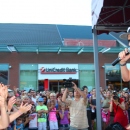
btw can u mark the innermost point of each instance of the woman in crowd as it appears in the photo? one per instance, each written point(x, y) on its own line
point(118, 106)
point(105, 108)
point(53, 122)
point(93, 107)
point(64, 118)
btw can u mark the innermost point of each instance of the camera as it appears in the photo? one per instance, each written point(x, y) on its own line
point(67, 83)
point(115, 96)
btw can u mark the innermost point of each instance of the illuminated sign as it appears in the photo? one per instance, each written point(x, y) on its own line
point(55, 70)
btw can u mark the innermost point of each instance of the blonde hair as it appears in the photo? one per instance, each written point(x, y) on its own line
point(23, 97)
point(52, 94)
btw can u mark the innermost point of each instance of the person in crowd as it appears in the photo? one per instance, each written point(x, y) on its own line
point(88, 95)
point(117, 105)
point(29, 94)
point(110, 87)
point(20, 124)
point(71, 95)
point(78, 118)
point(25, 99)
point(64, 117)
point(53, 98)
point(4, 120)
point(105, 108)
point(6, 114)
point(34, 98)
point(42, 110)
point(53, 122)
point(33, 119)
point(17, 104)
point(44, 100)
point(48, 95)
point(127, 102)
point(93, 107)
point(16, 91)
point(62, 91)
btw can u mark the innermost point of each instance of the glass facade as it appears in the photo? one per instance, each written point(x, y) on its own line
point(28, 76)
point(4, 68)
point(113, 76)
point(87, 76)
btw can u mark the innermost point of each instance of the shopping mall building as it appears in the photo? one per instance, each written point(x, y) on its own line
point(40, 56)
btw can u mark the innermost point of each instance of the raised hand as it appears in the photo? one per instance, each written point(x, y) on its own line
point(123, 56)
point(3, 91)
point(24, 108)
point(2, 101)
point(11, 102)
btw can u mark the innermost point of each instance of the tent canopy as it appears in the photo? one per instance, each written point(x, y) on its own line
point(107, 16)
point(110, 15)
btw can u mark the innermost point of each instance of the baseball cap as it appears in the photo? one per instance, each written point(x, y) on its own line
point(124, 36)
point(40, 99)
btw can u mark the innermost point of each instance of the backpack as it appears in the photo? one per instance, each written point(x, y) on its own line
point(115, 126)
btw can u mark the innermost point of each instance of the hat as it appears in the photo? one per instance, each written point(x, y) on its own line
point(125, 89)
point(124, 36)
point(40, 99)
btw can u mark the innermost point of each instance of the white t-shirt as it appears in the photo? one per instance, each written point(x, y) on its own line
point(34, 100)
point(33, 122)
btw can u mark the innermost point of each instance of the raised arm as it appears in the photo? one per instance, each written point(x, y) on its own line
point(4, 120)
point(22, 109)
point(64, 95)
point(125, 72)
point(80, 92)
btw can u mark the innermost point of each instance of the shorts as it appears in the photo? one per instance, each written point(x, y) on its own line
point(64, 126)
point(53, 125)
point(93, 115)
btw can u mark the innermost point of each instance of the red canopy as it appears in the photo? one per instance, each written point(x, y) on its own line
point(112, 15)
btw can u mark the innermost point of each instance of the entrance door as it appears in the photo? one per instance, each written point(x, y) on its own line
point(55, 85)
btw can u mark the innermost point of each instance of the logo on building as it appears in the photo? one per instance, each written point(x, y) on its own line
point(55, 70)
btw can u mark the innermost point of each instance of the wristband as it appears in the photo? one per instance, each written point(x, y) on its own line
point(123, 64)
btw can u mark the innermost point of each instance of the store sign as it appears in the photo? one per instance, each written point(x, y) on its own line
point(57, 71)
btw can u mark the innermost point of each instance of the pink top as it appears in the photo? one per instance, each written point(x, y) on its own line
point(52, 115)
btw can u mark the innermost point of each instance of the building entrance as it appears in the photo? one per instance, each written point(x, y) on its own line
point(53, 85)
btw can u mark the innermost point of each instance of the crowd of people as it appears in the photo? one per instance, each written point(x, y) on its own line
point(68, 109)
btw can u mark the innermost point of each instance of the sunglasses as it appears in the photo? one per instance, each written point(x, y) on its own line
point(128, 41)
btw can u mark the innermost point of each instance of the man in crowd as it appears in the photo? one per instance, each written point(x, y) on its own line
point(34, 98)
point(78, 118)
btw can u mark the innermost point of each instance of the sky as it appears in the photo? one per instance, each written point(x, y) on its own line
point(68, 12)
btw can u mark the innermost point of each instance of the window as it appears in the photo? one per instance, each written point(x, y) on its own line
point(113, 76)
point(28, 76)
point(87, 76)
point(4, 73)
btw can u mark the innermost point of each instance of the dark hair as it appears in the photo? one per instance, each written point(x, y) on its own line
point(46, 99)
point(84, 87)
